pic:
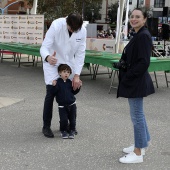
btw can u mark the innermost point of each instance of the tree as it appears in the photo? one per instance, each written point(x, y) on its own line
point(53, 9)
point(91, 12)
point(112, 12)
point(84, 7)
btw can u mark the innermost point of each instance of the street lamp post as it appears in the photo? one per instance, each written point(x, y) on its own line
point(137, 4)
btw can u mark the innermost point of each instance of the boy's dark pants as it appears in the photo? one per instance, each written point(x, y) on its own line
point(68, 113)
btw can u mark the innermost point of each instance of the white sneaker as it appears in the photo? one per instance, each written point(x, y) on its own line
point(131, 158)
point(131, 149)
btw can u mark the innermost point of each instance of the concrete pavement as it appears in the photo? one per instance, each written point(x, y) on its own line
point(103, 124)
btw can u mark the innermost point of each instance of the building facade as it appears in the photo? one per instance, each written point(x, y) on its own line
point(15, 7)
point(155, 5)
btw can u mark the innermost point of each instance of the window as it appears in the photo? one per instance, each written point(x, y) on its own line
point(159, 3)
point(157, 14)
point(130, 2)
point(141, 2)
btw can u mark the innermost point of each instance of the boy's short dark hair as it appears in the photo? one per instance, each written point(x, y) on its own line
point(63, 67)
point(75, 21)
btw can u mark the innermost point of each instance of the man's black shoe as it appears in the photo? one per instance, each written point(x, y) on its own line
point(47, 132)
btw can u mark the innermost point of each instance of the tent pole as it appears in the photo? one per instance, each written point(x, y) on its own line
point(34, 8)
point(121, 3)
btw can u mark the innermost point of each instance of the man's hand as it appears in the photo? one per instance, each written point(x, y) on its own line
point(76, 83)
point(52, 59)
point(54, 82)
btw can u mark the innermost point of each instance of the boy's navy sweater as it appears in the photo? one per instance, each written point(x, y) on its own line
point(64, 92)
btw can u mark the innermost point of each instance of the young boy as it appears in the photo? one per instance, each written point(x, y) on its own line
point(66, 101)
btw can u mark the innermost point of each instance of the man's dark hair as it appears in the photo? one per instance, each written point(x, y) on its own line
point(63, 67)
point(75, 21)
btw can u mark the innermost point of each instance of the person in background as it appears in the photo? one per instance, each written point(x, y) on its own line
point(114, 33)
point(22, 9)
point(66, 101)
point(135, 83)
point(160, 34)
point(65, 42)
point(131, 34)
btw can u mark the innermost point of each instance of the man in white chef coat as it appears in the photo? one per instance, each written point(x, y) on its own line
point(64, 43)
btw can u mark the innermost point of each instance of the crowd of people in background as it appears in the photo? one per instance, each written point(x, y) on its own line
point(109, 33)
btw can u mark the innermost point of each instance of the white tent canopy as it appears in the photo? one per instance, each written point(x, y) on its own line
point(34, 8)
point(119, 23)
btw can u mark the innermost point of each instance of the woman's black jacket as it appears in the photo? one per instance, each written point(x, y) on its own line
point(135, 81)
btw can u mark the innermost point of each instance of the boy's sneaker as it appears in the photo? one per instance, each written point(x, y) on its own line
point(71, 134)
point(64, 134)
point(68, 130)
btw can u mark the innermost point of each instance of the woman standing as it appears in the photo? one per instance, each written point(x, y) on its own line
point(136, 83)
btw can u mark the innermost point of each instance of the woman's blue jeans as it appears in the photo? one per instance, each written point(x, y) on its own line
point(141, 133)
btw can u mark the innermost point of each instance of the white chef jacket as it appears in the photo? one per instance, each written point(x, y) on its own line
point(69, 50)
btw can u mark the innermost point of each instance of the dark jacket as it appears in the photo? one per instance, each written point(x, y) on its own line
point(136, 82)
point(64, 92)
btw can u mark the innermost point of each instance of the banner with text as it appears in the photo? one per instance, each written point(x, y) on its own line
point(107, 45)
point(27, 29)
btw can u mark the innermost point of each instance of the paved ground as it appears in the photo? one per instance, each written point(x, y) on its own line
point(103, 124)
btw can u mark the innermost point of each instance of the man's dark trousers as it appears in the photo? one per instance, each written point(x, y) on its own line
point(48, 106)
